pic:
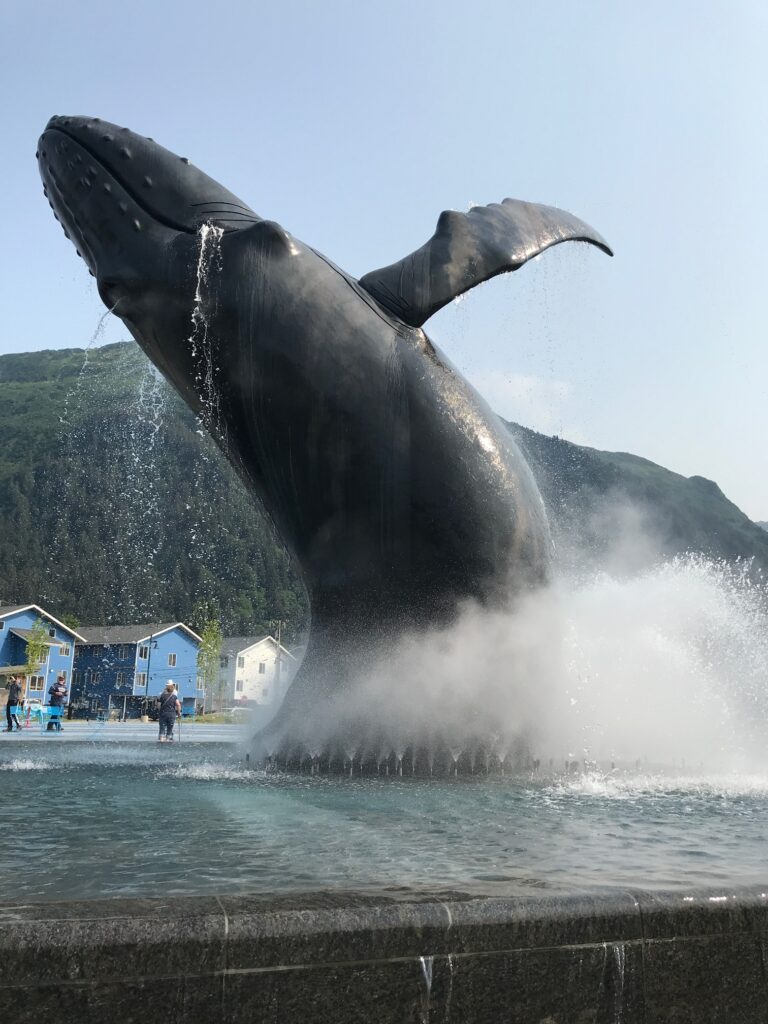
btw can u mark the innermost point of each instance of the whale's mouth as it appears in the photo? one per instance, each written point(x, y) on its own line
point(112, 189)
point(79, 155)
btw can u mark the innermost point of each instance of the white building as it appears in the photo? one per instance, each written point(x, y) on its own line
point(256, 670)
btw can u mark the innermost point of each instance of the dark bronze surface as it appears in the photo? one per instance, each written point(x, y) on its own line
point(396, 488)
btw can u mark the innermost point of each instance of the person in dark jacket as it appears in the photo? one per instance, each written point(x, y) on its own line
point(169, 710)
point(12, 707)
point(57, 694)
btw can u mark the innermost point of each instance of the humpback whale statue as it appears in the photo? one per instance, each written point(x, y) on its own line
point(397, 490)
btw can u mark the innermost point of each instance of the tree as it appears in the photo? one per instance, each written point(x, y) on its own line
point(208, 657)
point(37, 647)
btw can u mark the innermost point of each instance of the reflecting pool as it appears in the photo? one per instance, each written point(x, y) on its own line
point(92, 820)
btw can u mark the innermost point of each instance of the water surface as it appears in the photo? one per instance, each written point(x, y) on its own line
point(82, 821)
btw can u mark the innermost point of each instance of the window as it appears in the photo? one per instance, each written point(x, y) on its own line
point(262, 667)
point(97, 677)
point(224, 662)
point(76, 678)
point(239, 685)
point(120, 678)
point(144, 652)
point(64, 651)
point(240, 661)
point(265, 691)
point(36, 683)
point(2, 625)
point(141, 678)
point(63, 673)
point(171, 661)
point(123, 653)
point(88, 676)
point(52, 631)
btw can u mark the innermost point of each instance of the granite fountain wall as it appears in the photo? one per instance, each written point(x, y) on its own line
point(617, 958)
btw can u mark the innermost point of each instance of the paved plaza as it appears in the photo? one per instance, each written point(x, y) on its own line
point(127, 732)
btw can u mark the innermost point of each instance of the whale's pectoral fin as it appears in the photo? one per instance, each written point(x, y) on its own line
point(469, 248)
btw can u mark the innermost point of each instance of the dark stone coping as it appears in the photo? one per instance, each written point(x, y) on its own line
point(649, 956)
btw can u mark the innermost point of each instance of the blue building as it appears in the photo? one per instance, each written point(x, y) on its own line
point(16, 622)
point(127, 667)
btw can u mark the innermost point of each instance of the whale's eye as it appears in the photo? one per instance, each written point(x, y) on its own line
point(110, 292)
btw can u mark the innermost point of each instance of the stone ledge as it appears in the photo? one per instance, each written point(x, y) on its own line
point(360, 957)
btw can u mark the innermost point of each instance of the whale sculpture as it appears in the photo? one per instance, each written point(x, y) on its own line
point(397, 490)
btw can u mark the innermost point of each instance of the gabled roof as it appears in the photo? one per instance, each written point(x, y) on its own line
point(25, 634)
point(10, 609)
point(233, 645)
point(110, 635)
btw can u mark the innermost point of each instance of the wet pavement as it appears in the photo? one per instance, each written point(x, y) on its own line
point(130, 732)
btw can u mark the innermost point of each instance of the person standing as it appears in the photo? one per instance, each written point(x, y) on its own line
point(169, 709)
point(57, 694)
point(12, 707)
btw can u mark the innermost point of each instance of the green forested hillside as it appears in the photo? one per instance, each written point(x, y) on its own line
point(618, 508)
point(116, 507)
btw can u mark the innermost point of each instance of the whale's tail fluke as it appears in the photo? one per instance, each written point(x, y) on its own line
point(469, 248)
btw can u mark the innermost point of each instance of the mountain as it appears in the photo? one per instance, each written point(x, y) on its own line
point(115, 506)
point(762, 524)
point(615, 510)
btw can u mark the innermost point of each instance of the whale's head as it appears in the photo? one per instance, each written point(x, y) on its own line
point(123, 200)
point(133, 210)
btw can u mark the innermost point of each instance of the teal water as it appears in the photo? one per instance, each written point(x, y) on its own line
point(92, 821)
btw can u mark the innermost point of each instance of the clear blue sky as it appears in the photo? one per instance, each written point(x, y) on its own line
point(355, 124)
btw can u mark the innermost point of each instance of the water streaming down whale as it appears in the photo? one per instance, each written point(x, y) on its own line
point(395, 487)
